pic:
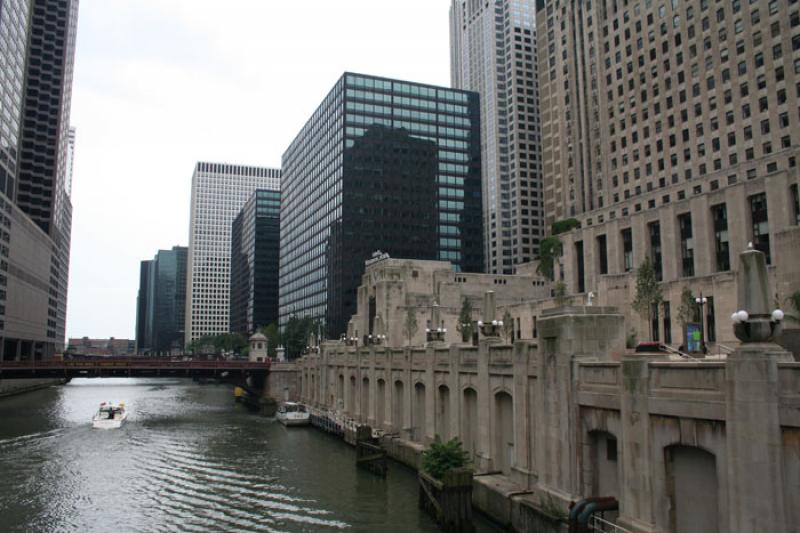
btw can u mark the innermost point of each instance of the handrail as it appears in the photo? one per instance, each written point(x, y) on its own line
point(728, 349)
point(678, 352)
point(601, 525)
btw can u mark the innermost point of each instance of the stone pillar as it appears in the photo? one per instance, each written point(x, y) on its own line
point(429, 431)
point(484, 458)
point(455, 391)
point(755, 447)
point(568, 335)
point(636, 486)
point(523, 437)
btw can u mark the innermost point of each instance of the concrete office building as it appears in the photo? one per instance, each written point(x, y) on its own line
point(670, 131)
point(493, 52)
point(161, 303)
point(38, 48)
point(255, 248)
point(381, 165)
point(219, 191)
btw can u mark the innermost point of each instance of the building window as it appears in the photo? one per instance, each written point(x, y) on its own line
point(654, 229)
point(654, 321)
point(687, 245)
point(760, 222)
point(580, 265)
point(710, 323)
point(667, 323)
point(795, 203)
point(602, 251)
point(627, 250)
point(719, 213)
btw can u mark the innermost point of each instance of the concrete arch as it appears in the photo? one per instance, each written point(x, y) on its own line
point(380, 402)
point(351, 395)
point(601, 464)
point(398, 405)
point(693, 489)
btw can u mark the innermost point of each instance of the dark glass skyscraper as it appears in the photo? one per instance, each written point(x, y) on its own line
point(255, 244)
point(381, 164)
point(161, 305)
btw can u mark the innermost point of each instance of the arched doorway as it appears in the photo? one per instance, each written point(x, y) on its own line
point(397, 406)
point(419, 421)
point(503, 452)
point(364, 407)
point(442, 420)
point(351, 397)
point(469, 421)
point(380, 404)
point(693, 489)
point(340, 392)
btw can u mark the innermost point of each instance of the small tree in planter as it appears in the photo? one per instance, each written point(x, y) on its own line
point(445, 485)
point(465, 326)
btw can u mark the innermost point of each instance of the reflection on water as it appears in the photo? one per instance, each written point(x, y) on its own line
point(188, 458)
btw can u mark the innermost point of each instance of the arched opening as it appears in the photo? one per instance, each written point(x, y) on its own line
point(397, 406)
point(351, 397)
point(503, 452)
point(469, 421)
point(693, 488)
point(313, 391)
point(442, 420)
point(380, 404)
point(340, 392)
point(419, 420)
point(364, 407)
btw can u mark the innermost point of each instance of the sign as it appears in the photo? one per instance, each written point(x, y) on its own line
point(694, 337)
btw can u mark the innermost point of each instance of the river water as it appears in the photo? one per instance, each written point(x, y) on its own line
point(187, 459)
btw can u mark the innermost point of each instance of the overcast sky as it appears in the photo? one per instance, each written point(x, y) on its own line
point(162, 84)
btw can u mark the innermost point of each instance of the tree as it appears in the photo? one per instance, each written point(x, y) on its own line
point(295, 335)
point(273, 335)
point(549, 251)
point(410, 324)
point(465, 326)
point(648, 292)
point(560, 294)
point(687, 312)
point(508, 326)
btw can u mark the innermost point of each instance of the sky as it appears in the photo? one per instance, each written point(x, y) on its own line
point(162, 84)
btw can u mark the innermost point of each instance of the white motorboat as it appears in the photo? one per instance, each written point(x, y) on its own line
point(293, 414)
point(110, 416)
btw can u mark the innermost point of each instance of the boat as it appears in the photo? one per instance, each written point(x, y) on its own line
point(293, 414)
point(110, 416)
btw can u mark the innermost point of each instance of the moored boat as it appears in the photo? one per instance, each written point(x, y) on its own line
point(110, 416)
point(293, 414)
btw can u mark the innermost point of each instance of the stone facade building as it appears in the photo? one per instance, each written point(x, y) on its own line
point(391, 288)
point(670, 131)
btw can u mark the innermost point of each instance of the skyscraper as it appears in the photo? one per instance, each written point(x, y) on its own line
point(670, 131)
point(219, 191)
point(161, 304)
point(36, 53)
point(493, 52)
point(255, 246)
point(381, 165)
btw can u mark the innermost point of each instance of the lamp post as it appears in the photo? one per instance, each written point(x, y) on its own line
point(701, 301)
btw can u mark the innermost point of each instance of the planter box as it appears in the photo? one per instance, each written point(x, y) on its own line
point(448, 500)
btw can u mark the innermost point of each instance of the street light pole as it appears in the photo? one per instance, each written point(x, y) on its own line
point(701, 301)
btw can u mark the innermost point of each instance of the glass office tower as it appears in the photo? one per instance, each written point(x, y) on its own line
point(255, 244)
point(381, 165)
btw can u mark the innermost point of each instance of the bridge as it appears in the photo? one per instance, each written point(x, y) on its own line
point(133, 367)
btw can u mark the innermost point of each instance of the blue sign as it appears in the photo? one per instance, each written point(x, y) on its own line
point(694, 338)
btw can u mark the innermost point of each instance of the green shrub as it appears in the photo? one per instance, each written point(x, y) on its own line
point(444, 456)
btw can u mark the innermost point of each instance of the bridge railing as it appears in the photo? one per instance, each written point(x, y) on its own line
point(139, 362)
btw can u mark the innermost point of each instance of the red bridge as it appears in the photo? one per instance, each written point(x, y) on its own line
point(133, 367)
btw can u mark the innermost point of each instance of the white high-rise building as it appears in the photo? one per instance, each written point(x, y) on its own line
point(493, 52)
point(219, 191)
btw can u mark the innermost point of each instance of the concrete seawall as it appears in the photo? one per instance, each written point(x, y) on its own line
point(12, 387)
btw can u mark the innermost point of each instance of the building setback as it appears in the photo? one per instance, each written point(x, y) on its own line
point(493, 52)
point(37, 52)
point(161, 304)
point(381, 165)
point(255, 246)
point(670, 131)
point(219, 191)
